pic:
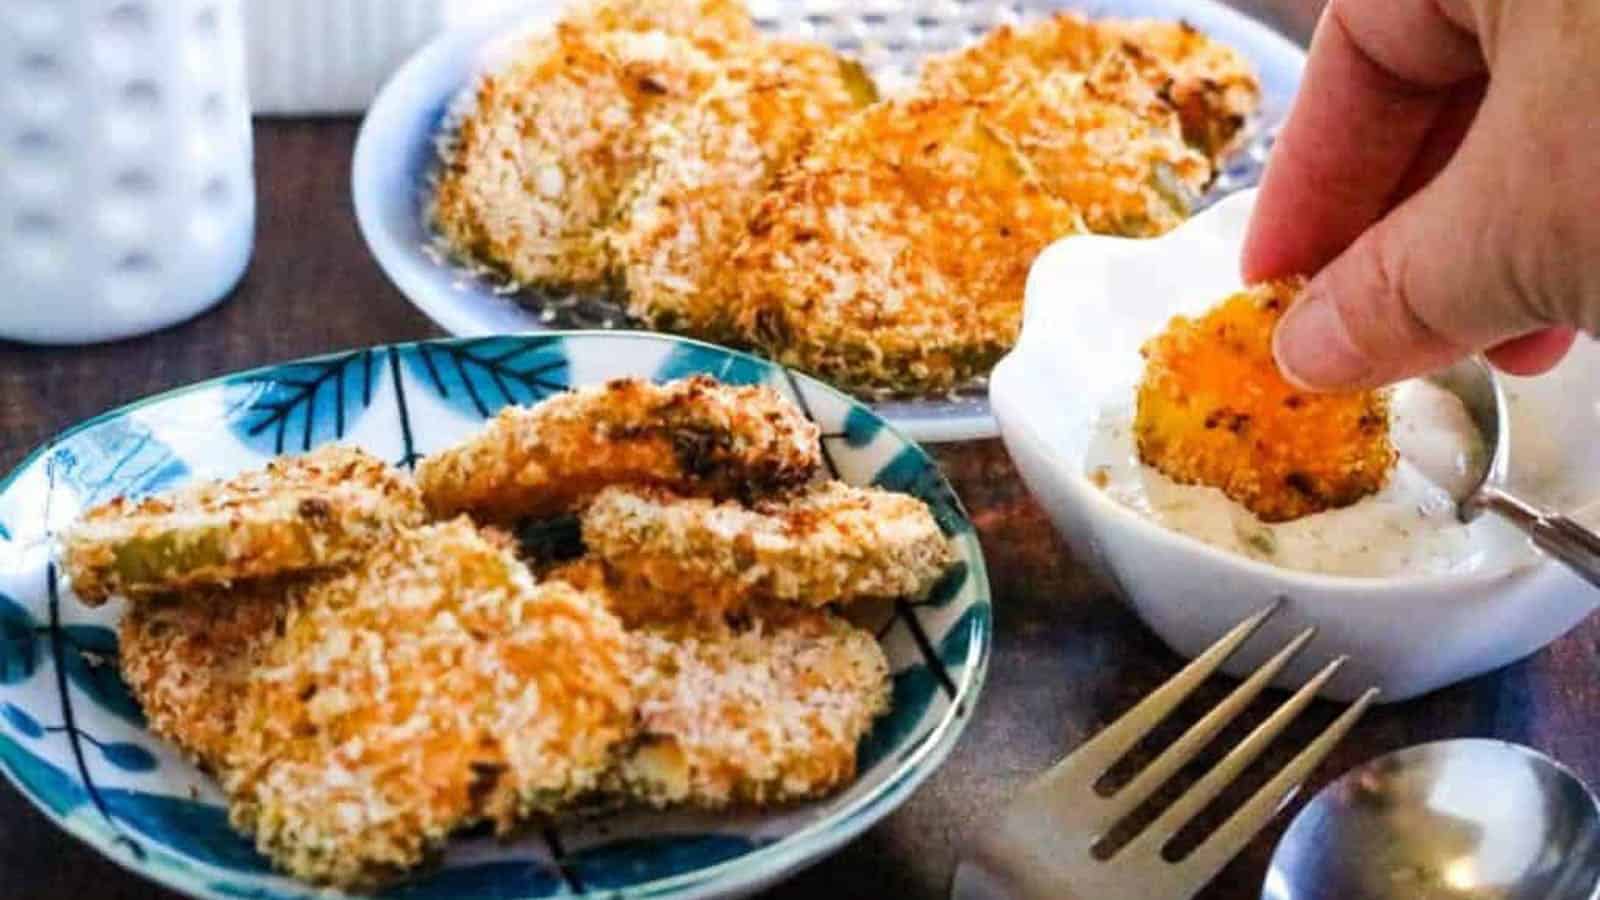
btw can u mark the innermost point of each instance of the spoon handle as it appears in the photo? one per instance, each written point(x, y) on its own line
point(1564, 538)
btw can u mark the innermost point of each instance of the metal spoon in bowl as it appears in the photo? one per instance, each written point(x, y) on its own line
point(1466, 819)
point(1563, 538)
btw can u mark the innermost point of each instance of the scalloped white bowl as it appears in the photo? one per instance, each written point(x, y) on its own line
point(1090, 302)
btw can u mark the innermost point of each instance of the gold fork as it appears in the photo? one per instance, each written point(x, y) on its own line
point(1042, 846)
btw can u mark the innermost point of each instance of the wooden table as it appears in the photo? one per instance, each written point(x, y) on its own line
point(1068, 657)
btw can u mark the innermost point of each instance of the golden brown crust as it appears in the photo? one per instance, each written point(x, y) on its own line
point(433, 686)
point(1213, 409)
point(709, 168)
point(535, 168)
point(1208, 85)
point(715, 26)
point(694, 435)
point(832, 544)
point(893, 253)
point(186, 658)
point(299, 513)
point(758, 716)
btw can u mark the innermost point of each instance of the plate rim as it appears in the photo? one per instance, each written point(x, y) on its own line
point(749, 871)
point(386, 248)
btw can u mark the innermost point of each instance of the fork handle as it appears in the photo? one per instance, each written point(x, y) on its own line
point(1564, 538)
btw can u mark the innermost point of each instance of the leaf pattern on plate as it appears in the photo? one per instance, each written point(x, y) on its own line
point(19, 650)
point(724, 365)
point(479, 376)
point(295, 407)
point(115, 456)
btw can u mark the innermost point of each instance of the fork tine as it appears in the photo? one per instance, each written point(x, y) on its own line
point(1226, 842)
point(1205, 790)
point(1091, 760)
point(1200, 734)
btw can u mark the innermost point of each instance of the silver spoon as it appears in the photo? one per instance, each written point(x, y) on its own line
point(1451, 820)
point(1557, 535)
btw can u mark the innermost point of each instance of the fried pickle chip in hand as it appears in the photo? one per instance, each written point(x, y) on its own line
point(1214, 410)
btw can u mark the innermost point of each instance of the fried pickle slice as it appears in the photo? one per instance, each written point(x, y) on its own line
point(708, 170)
point(832, 544)
point(1209, 85)
point(1213, 409)
point(300, 513)
point(535, 167)
point(756, 716)
point(694, 435)
point(1125, 170)
point(892, 254)
point(433, 686)
point(186, 658)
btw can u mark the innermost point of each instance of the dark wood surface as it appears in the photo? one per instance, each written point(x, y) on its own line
point(1068, 657)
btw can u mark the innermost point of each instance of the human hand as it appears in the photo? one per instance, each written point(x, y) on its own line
point(1440, 173)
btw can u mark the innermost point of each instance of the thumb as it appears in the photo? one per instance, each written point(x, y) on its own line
point(1427, 284)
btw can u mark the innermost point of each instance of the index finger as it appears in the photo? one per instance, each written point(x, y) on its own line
point(1379, 76)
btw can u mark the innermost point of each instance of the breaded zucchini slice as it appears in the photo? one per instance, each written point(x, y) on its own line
point(533, 170)
point(757, 716)
point(1210, 86)
point(187, 658)
point(832, 544)
point(708, 170)
point(433, 686)
point(1126, 171)
point(892, 254)
point(1213, 409)
point(301, 513)
point(694, 435)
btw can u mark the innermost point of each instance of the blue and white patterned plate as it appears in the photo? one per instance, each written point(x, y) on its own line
point(396, 151)
point(74, 742)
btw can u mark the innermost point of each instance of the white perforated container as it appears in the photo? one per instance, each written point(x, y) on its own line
point(126, 197)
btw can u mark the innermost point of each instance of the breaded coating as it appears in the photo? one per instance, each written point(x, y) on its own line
point(832, 544)
point(434, 686)
point(694, 435)
point(300, 513)
point(716, 26)
point(893, 253)
point(755, 717)
point(709, 169)
point(186, 658)
point(536, 166)
point(1209, 85)
point(1213, 409)
point(1126, 171)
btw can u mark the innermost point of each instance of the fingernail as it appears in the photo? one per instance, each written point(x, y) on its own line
point(1313, 347)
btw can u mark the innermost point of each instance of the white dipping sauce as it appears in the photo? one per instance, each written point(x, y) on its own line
point(1409, 527)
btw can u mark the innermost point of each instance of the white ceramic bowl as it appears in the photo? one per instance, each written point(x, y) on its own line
point(1090, 302)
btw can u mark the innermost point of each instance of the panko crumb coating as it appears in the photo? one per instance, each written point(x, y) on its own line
point(300, 513)
point(1213, 409)
point(716, 26)
point(694, 435)
point(707, 172)
point(535, 167)
point(434, 686)
point(187, 658)
point(832, 544)
point(757, 716)
point(1210, 86)
point(893, 253)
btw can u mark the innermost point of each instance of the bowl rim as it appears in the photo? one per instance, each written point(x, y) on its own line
point(748, 871)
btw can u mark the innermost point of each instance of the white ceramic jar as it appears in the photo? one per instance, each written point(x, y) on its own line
point(126, 195)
